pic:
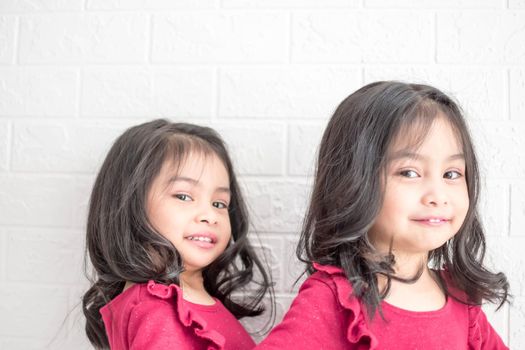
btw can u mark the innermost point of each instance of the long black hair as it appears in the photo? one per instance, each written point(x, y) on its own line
point(122, 244)
point(347, 194)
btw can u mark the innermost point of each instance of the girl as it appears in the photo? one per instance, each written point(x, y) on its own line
point(392, 239)
point(167, 237)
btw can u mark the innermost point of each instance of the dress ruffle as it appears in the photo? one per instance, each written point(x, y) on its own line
point(474, 330)
point(357, 332)
point(475, 334)
point(187, 317)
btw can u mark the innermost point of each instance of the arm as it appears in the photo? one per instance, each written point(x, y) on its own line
point(315, 320)
point(155, 325)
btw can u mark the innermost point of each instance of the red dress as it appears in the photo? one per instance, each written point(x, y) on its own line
point(155, 316)
point(325, 315)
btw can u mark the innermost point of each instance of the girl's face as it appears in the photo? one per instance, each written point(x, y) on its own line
point(190, 208)
point(425, 196)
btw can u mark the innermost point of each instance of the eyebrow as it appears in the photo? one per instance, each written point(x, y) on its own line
point(195, 183)
point(411, 155)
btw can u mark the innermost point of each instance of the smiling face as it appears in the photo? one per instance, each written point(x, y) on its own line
point(189, 207)
point(425, 194)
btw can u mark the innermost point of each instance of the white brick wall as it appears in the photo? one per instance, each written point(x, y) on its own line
point(267, 74)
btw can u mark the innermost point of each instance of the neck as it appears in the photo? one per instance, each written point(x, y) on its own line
point(192, 285)
point(408, 265)
point(192, 280)
point(424, 294)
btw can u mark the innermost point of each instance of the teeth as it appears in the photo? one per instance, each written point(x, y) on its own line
point(435, 220)
point(201, 239)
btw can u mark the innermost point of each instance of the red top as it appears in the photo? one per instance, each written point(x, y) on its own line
point(155, 316)
point(325, 316)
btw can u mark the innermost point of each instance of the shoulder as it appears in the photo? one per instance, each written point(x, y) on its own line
point(155, 313)
point(481, 334)
point(326, 309)
point(330, 281)
point(156, 300)
point(144, 298)
point(143, 306)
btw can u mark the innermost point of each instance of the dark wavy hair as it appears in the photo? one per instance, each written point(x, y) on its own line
point(348, 193)
point(122, 245)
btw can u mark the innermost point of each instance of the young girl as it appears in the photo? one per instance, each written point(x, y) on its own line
point(392, 239)
point(167, 237)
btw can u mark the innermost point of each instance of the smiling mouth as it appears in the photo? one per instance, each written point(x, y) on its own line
point(436, 221)
point(432, 221)
point(200, 239)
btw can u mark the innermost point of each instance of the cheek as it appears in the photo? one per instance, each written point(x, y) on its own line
point(392, 204)
point(462, 206)
point(228, 228)
point(464, 200)
point(225, 226)
point(154, 217)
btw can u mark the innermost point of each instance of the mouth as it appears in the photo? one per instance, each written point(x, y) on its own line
point(432, 221)
point(200, 239)
point(203, 240)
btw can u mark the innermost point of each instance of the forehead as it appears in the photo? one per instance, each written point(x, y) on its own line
point(436, 132)
point(195, 163)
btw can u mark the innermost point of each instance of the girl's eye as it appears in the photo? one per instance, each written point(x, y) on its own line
point(220, 205)
point(183, 197)
point(409, 173)
point(452, 175)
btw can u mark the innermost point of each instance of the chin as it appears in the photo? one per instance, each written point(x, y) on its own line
point(194, 267)
point(436, 246)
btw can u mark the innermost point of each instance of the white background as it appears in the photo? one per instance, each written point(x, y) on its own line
point(267, 74)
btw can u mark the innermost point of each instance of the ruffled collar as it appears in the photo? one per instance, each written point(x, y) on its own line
point(188, 317)
point(357, 332)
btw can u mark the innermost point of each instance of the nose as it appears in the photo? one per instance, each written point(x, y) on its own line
point(207, 214)
point(435, 195)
